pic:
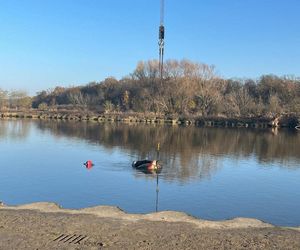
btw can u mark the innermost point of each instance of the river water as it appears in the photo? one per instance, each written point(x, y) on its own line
point(209, 173)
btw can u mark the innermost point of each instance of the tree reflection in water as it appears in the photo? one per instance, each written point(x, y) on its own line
point(17, 130)
point(187, 152)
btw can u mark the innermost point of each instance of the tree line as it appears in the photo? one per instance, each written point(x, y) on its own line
point(187, 89)
point(15, 99)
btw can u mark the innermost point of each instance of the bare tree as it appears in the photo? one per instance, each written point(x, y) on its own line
point(19, 99)
point(3, 99)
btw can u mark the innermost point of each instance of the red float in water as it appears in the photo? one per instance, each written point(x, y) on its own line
point(89, 164)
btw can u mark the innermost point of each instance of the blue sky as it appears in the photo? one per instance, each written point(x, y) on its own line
point(46, 43)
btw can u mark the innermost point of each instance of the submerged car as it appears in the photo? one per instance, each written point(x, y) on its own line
point(147, 165)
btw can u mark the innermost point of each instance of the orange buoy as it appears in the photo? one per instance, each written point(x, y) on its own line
point(89, 164)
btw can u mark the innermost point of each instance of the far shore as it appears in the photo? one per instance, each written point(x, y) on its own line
point(283, 121)
point(47, 226)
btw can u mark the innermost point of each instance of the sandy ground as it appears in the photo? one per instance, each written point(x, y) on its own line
point(46, 226)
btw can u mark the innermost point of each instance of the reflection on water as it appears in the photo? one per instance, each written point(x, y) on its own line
point(15, 130)
point(153, 173)
point(188, 152)
point(207, 172)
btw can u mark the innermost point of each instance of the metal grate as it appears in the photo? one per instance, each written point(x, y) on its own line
point(71, 239)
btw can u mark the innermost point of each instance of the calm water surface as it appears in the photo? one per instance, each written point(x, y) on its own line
point(213, 174)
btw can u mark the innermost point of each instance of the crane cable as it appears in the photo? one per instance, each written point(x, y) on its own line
point(161, 41)
point(157, 173)
point(162, 10)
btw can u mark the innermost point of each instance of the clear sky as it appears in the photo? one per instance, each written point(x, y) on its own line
point(46, 43)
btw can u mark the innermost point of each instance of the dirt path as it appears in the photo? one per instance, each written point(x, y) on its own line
point(46, 226)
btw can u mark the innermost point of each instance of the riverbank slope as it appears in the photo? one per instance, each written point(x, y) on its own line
point(47, 226)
